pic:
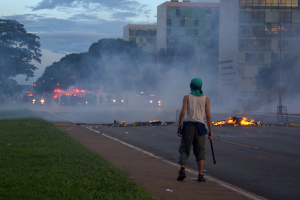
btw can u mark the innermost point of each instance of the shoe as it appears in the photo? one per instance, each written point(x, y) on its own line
point(181, 175)
point(201, 178)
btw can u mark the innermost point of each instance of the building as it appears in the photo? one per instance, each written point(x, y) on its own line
point(254, 34)
point(143, 35)
point(195, 24)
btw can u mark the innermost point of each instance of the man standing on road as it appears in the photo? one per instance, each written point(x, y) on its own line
point(194, 129)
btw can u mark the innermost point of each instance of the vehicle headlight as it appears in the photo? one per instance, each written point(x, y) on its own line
point(151, 101)
point(33, 100)
point(122, 101)
point(86, 102)
point(42, 100)
point(159, 102)
point(114, 101)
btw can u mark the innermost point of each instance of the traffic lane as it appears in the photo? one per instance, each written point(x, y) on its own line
point(281, 141)
point(262, 173)
point(256, 171)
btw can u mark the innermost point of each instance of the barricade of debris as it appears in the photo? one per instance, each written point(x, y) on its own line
point(235, 121)
point(118, 123)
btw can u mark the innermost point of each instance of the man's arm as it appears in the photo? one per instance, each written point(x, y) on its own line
point(208, 118)
point(183, 110)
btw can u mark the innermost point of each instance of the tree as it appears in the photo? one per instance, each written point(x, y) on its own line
point(17, 50)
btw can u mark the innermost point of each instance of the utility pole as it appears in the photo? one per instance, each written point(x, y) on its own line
point(280, 98)
point(158, 69)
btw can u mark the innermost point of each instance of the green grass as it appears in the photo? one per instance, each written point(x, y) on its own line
point(38, 161)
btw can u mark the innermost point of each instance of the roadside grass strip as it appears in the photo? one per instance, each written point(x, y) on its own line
point(39, 161)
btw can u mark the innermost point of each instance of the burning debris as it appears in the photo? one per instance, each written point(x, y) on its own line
point(234, 121)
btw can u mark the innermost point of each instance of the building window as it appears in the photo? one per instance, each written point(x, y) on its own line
point(248, 57)
point(169, 22)
point(182, 22)
point(196, 22)
point(294, 30)
point(214, 24)
point(242, 30)
point(285, 16)
point(272, 30)
point(261, 58)
point(178, 13)
point(191, 32)
point(131, 32)
point(168, 32)
point(255, 31)
point(196, 32)
point(252, 16)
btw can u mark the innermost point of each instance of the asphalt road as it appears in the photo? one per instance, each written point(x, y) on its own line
point(264, 160)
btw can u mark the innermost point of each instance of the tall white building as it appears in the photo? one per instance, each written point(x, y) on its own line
point(254, 34)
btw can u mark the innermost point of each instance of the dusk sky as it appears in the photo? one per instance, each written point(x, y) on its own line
point(71, 26)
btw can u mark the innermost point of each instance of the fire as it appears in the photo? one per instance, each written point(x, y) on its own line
point(153, 121)
point(236, 122)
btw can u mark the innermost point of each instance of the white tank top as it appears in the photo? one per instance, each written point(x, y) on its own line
point(196, 109)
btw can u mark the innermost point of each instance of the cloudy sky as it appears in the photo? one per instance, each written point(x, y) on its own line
point(68, 26)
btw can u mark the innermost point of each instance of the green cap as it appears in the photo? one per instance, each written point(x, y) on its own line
point(196, 85)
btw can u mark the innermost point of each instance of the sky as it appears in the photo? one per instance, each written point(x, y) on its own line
point(71, 26)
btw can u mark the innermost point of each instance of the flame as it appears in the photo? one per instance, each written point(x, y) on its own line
point(236, 122)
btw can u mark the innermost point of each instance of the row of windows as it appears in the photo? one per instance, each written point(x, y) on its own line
point(193, 23)
point(288, 30)
point(143, 40)
point(255, 44)
point(270, 3)
point(196, 42)
point(228, 74)
point(191, 12)
point(227, 79)
point(204, 33)
point(262, 45)
point(140, 32)
point(230, 67)
point(254, 58)
point(259, 58)
point(260, 16)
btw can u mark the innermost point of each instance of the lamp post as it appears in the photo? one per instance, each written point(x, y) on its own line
point(280, 98)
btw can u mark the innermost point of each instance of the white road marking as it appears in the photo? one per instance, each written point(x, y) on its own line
point(239, 144)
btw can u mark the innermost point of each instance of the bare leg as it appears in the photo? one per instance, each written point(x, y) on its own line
point(200, 166)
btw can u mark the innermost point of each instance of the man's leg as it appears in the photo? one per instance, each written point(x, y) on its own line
point(199, 152)
point(185, 147)
point(200, 166)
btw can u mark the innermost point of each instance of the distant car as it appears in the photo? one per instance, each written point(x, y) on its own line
point(153, 100)
point(38, 100)
point(115, 100)
point(28, 98)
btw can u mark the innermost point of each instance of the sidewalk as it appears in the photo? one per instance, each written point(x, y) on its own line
point(153, 173)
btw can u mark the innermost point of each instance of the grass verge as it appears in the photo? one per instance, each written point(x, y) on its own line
point(38, 161)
